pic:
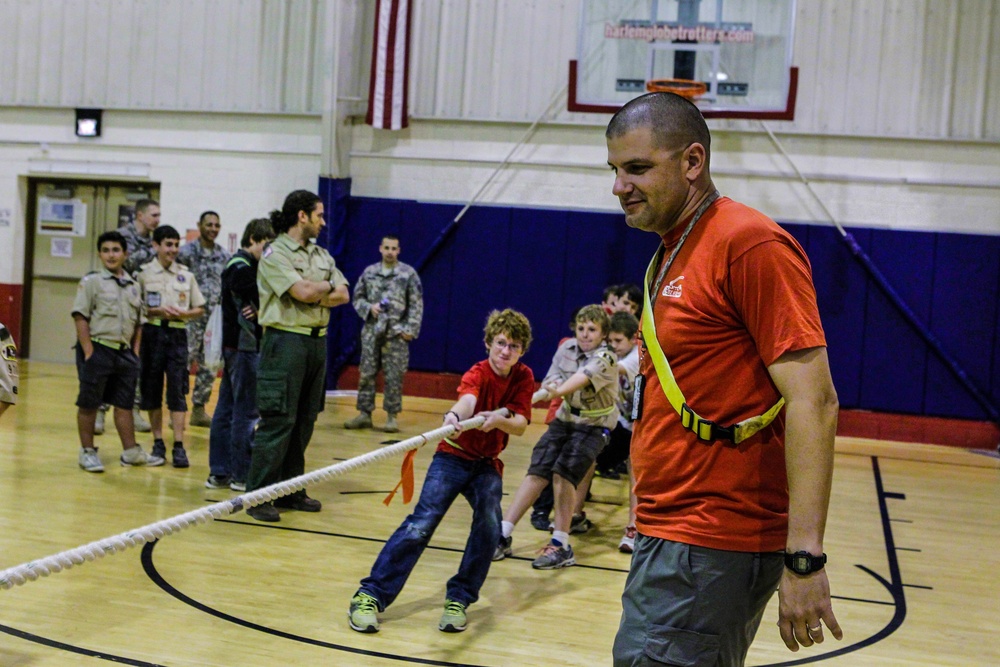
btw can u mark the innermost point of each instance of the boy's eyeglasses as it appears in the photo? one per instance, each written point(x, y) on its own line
point(513, 347)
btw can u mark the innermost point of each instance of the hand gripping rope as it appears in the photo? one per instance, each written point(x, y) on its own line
point(30, 571)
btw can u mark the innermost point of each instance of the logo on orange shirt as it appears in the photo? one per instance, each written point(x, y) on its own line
point(673, 288)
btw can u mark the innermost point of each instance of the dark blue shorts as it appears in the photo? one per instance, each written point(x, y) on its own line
point(109, 376)
point(164, 353)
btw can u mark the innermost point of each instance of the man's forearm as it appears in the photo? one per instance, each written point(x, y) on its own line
point(809, 443)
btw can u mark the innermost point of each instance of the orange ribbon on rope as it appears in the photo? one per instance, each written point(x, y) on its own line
point(405, 479)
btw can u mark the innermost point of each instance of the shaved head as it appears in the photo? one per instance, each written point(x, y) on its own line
point(674, 121)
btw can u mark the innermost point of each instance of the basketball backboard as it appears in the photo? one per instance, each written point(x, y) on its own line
point(740, 50)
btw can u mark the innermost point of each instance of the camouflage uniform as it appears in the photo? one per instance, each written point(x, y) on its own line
point(8, 367)
point(401, 296)
point(207, 267)
point(139, 247)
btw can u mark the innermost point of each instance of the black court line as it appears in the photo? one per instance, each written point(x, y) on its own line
point(69, 648)
point(380, 541)
point(894, 585)
point(152, 573)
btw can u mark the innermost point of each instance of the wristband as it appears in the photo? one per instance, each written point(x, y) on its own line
point(452, 412)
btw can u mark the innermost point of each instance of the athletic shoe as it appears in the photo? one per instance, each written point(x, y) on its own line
point(362, 420)
point(453, 619)
point(134, 456)
point(540, 520)
point(580, 524)
point(179, 457)
point(264, 512)
point(199, 417)
point(238, 486)
point(90, 461)
point(301, 503)
point(217, 482)
point(99, 422)
point(554, 556)
point(141, 425)
point(607, 473)
point(390, 425)
point(627, 545)
point(160, 449)
point(503, 548)
point(362, 614)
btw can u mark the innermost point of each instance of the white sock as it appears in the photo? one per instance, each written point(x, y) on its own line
point(561, 538)
point(508, 528)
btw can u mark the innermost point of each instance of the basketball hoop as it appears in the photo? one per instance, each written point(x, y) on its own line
point(683, 87)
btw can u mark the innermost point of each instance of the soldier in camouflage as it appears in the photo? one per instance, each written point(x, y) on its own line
point(390, 299)
point(206, 259)
point(138, 237)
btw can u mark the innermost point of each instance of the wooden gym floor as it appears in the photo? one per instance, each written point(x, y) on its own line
point(913, 539)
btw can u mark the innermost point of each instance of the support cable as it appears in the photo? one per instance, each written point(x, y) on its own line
point(922, 330)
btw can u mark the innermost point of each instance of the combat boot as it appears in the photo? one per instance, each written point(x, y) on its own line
point(362, 420)
point(390, 424)
point(141, 425)
point(199, 417)
point(99, 422)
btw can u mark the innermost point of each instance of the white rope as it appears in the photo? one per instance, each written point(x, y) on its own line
point(30, 571)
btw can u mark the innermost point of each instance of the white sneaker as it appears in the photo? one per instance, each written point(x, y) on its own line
point(627, 544)
point(90, 461)
point(134, 456)
point(141, 424)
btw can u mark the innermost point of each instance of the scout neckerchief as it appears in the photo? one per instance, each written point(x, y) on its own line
point(705, 429)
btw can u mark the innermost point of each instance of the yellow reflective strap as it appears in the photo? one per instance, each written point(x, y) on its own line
point(452, 443)
point(690, 420)
point(749, 427)
point(597, 412)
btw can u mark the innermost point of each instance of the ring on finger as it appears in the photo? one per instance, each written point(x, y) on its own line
point(815, 629)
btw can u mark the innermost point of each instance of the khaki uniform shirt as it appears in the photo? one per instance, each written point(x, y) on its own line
point(600, 395)
point(162, 287)
point(283, 264)
point(112, 305)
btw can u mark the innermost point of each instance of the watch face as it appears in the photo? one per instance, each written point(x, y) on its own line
point(801, 564)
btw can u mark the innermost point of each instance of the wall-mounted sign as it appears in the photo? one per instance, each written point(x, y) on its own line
point(62, 216)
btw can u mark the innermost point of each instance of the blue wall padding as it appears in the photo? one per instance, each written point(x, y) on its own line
point(894, 356)
point(841, 288)
point(963, 314)
point(336, 193)
point(547, 263)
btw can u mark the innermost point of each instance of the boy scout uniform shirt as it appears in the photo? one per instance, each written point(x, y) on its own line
point(284, 263)
point(112, 305)
point(175, 286)
point(600, 395)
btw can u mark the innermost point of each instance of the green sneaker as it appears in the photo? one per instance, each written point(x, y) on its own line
point(453, 619)
point(362, 613)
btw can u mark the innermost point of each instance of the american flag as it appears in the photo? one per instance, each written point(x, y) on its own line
point(387, 92)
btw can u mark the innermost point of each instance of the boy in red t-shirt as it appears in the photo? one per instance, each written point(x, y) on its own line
point(468, 464)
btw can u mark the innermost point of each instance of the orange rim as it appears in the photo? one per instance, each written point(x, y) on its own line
point(683, 87)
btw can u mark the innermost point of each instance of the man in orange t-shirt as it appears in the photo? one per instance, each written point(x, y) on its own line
point(721, 524)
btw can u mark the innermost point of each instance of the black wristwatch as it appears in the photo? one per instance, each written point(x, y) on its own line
point(803, 562)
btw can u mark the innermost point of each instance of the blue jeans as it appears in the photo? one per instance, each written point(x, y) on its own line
point(447, 477)
point(231, 435)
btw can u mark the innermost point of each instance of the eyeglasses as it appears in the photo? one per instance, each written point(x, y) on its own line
point(513, 347)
